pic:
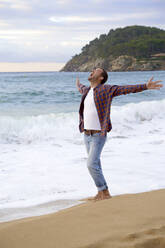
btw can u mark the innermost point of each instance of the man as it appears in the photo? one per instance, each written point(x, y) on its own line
point(94, 117)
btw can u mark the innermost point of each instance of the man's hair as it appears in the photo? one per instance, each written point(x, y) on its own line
point(104, 74)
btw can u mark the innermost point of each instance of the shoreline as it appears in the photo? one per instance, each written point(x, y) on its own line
point(16, 213)
point(123, 221)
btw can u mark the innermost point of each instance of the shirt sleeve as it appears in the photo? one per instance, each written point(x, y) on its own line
point(82, 88)
point(117, 90)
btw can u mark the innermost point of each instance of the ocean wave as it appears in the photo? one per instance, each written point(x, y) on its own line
point(139, 112)
point(48, 127)
point(29, 129)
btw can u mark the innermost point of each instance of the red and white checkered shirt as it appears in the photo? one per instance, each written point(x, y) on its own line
point(103, 95)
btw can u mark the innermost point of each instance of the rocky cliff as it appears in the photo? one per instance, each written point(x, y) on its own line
point(121, 63)
point(134, 48)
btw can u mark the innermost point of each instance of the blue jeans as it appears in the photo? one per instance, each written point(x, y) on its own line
point(94, 144)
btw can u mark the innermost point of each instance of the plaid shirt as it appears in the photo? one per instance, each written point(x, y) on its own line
point(103, 95)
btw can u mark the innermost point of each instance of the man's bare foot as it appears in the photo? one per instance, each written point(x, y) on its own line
point(102, 195)
point(92, 198)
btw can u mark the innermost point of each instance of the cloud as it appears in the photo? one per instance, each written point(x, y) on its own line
point(3, 23)
point(76, 19)
point(63, 2)
point(95, 19)
point(71, 43)
point(12, 1)
point(22, 32)
point(20, 6)
point(55, 30)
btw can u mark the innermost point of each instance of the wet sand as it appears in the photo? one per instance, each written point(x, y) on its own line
point(124, 221)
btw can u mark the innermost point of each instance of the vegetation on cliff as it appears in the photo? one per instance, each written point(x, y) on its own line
point(138, 43)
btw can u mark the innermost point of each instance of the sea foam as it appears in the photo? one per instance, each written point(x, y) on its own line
point(47, 127)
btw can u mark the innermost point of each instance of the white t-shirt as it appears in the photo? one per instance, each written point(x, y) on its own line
point(91, 119)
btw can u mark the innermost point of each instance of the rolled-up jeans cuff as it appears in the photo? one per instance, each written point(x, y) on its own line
point(102, 187)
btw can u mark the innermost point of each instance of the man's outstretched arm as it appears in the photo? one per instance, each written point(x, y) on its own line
point(81, 88)
point(126, 89)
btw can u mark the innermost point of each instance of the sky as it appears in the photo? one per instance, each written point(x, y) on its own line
point(45, 34)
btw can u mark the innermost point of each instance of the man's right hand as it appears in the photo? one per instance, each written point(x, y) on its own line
point(77, 82)
point(81, 87)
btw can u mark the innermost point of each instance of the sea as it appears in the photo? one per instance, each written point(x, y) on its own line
point(42, 152)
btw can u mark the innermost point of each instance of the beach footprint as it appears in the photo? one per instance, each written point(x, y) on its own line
point(150, 238)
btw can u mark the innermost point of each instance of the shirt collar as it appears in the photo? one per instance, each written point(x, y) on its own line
point(95, 87)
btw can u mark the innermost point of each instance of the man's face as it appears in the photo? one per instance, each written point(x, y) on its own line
point(96, 75)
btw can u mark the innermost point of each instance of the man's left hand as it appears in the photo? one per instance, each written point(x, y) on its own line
point(154, 84)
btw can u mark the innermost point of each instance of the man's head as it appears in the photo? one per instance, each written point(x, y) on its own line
point(98, 75)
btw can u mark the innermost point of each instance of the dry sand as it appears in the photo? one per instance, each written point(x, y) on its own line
point(124, 221)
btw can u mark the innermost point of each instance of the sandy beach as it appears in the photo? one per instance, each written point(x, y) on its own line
point(127, 221)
